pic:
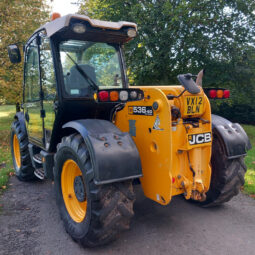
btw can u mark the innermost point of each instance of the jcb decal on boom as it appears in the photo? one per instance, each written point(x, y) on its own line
point(199, 138)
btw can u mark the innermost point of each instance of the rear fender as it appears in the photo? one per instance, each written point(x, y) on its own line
point(233, 136)
point(113, 153)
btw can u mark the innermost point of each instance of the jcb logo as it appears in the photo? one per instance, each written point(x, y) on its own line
point(199, 138)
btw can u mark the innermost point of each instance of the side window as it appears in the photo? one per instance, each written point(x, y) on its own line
point(32, 84)
point(47, 70)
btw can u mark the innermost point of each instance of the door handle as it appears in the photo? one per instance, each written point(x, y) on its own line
point(55, 106)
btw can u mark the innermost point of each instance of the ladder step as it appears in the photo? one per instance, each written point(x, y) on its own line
point(37, 158)
point(39, 173)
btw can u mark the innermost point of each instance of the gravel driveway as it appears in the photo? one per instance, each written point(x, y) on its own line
point(30, 224)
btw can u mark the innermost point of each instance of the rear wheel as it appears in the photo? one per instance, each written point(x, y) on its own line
point(92, 214)
point(227, 176)
point(20, 153)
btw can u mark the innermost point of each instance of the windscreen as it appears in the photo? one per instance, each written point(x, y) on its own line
point(99, 61)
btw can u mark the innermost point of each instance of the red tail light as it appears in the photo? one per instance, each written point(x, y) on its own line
point(119, 95)
point(103, 96)
point(226, 93)
point(217, 93)
point(213, 93)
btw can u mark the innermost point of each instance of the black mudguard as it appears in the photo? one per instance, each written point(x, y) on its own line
point(21, 118)
point(233, 136)
point(114, 154)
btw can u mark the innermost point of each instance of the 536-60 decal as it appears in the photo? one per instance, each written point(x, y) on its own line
point(140, 110)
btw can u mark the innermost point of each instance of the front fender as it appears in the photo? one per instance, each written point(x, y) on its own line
point(114, 154)
point(233, 136)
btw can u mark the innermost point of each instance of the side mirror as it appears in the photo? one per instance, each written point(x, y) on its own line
point(14, 53)
point(188, 83)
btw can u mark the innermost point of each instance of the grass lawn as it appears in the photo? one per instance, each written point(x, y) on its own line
point(6, 117)
point(6, 169)
point(249, 186)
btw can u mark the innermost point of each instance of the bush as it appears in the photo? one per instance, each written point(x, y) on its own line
point(240, 113)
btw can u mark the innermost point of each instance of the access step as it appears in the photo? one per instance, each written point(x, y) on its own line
point(39, 173)
point(38, 158)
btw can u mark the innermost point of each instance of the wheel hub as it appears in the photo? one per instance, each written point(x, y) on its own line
point(79, 189)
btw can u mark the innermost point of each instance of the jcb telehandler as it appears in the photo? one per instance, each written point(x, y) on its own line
point(81, 124)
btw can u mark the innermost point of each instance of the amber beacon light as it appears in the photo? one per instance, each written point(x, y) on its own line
point(55, 15)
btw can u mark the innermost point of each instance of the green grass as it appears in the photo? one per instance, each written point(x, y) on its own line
point(249, 186)
point(6, 169)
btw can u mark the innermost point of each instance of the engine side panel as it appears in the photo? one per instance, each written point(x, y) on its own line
point(152, 134)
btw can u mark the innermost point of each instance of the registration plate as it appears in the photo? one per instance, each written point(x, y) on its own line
point(193, 105)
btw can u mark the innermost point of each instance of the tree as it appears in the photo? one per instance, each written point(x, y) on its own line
point(18, 20)
point(177, 36)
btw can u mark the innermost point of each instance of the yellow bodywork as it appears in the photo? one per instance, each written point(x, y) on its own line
point(171, 163)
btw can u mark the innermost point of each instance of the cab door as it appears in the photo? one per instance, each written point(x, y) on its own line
point(32, 99)
point(49, 92)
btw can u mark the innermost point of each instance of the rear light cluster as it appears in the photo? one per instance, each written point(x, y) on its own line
point(120, 95)
point(217, 93)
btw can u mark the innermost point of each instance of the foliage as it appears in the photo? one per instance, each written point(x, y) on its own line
point(6, 169)
point(249, 186)
point(185, 36)
point(18, 20)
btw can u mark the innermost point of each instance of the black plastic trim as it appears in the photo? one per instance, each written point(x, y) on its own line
point(233, 136)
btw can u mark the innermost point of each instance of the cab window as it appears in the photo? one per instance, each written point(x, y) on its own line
point(47, 69)
point(100, 61)
point(32, 83)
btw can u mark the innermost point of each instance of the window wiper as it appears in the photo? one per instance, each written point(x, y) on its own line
point(83, 74)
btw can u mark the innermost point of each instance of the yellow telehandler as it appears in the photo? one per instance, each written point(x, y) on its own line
point(83, 126)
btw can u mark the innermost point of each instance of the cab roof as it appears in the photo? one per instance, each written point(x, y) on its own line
point(58, 24)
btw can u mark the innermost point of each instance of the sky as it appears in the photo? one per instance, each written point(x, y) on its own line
point(63, 6)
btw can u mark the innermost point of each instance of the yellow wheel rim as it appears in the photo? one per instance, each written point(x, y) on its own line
point(16, 150)
point(69, 176)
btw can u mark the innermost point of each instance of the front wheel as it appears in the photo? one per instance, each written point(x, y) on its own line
point(227, 176)
point(92, 214)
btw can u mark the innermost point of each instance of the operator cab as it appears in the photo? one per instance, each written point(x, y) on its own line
point(73, 68)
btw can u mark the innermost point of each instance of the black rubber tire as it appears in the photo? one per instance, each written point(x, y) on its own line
point(227, 176)
point(26, 171)
point(109, 207)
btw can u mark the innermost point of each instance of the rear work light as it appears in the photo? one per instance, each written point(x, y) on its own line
point(217, 93)
point(119, 95)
